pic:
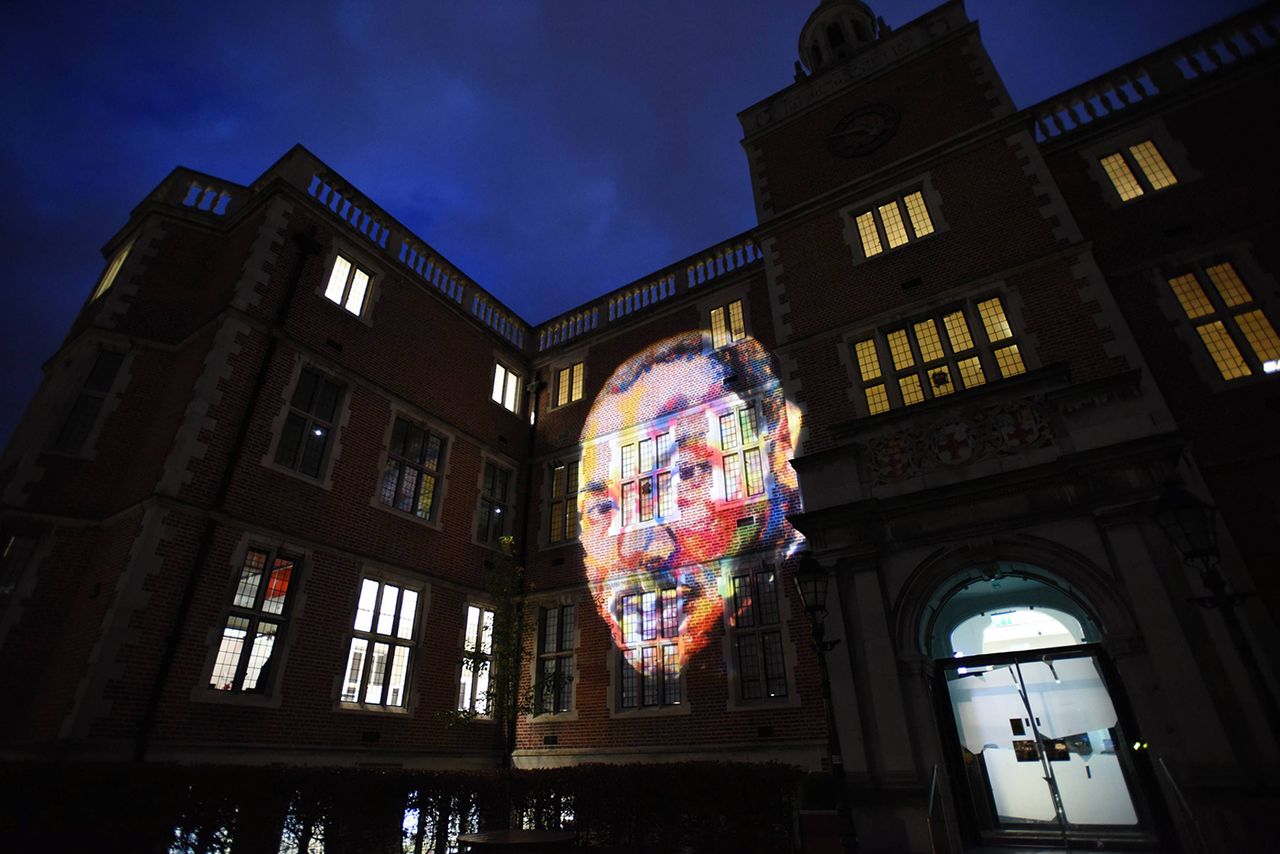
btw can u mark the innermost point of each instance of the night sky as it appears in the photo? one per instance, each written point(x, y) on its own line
point(550, 150)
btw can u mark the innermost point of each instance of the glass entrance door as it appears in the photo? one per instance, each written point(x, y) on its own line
point(1040, 743)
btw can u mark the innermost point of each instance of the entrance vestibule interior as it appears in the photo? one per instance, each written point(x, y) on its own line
point(1039, 743)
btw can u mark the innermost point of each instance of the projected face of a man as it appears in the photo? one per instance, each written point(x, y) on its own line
point(653, 505)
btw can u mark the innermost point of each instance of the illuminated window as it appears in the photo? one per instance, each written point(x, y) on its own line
point(1237, 334)
point(728, 325)
point(412, 476)
point(564, 501)
point(885, 224)
point(937, 356)
point(477, 660)
point(647, 491)
point(1136, 169)
point(569, 384)
point(304, 441)
point(506, 388)
point(743, 462)
point(495, 500)
point(254, 623)
point(757, 634)
point(348, 285)
point(88, 404)
point(556, 629)
point(113, 269)
point(651, 649)
point(380, 654)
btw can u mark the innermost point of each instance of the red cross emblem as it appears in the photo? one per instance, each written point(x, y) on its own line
point(952, 444)
point(1019, 428)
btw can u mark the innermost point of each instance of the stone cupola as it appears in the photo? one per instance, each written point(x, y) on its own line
point(835, 31)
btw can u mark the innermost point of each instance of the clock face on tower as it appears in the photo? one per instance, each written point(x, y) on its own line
point(863, 130)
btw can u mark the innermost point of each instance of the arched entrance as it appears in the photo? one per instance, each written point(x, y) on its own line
point(1035, 741)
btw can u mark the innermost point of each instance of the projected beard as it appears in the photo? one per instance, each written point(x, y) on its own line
point(652, 443)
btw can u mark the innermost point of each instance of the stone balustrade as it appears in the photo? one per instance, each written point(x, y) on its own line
point(681, 277)
point(1166, 70)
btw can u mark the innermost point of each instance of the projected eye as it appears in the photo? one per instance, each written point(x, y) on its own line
point(695, 470)
point(600, 511)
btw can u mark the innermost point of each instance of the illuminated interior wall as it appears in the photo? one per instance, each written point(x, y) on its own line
point(684, 468)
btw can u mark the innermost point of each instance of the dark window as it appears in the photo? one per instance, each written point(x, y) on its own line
point(758, 635)
point(84, 412)
point(564, 501)
point(304, 442)
point(413, 465)
point(835, 35)
point(254, 623)
point(555, 659)
point(493, 504)
point(651, 649)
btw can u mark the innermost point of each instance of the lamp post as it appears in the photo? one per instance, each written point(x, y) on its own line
point(1191, 524)
point(811, 583)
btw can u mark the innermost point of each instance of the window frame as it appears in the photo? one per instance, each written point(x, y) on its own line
point(740, 449)
point(662, 642)
point(1153, 130)
point(267, 683)
point(333, 443)
point(392, 639)
point(104, 399)
point(924, 367)
point(357, 264)
point(510, 380)
point(731, 333)
point(111, 273)
point(475, 658)
point(503, 507)
point(564, 658)
point(626, 509)
point(1255, 282)
point(751, 569)
point(931, 205)
point(570, 389)
point(567, 499)
point(1137, 170)
point(439, 473)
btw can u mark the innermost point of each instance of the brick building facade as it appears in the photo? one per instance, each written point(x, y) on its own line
point(962, 361)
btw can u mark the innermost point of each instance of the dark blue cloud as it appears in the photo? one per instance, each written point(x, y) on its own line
point(551, 150)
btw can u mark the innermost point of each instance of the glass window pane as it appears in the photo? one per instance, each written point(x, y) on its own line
point(408, 610)
point(1229, 285)
point(355, 670)
point(743, 605)
point(628, 460)
point(1153, 165)
point(666, 496)
point(104, 371)
point(313, 446)
point(628, 503)
point(482, 687)
point(993, 319)
point(940, 382)
point(399, 675)
point(868, 235)
point(364, 610)
point(326, 400)
point(719, 331)
point(900, 349)
point(486, 632)
point(732, 476)
point(79, 424)
point(646, 455)
point(671, 675)
point(630, 619)
point(499, 383)
point(578, 371)
point(1223, 350)
point(920, 221)
point(1121, 177)
point(649, 663)
point(755, 471)
point(728, 432)
point(472, 632)
point(1260, 334)
point(737, 325)
point(749, 676)
point(670, 613)
point(277, 586)
point(513, 389)
point(290, 440)
point(426, 496)
point(911, 390)
point(229, 650)
point(774, 671)
point(894, 229)
point(930, 344)
point(877, 399)
point(646, 499)
point(377, 673)
point(246, 595)
point(868, 361)
point(750, 427)
point(648, 616)
point(387, 610)
point(630, 679)
point(355, 299)
point(557, 521)
point(260, 654)
point(767, 584)
point(1010, 361)
point(562, 387)
point(337, 280)
point(958, 331)
point(664, 450)
point(971, 372)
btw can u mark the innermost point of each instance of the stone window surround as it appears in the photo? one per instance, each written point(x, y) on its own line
point(405, 582)
point(850, 212)
point(1173, 152)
